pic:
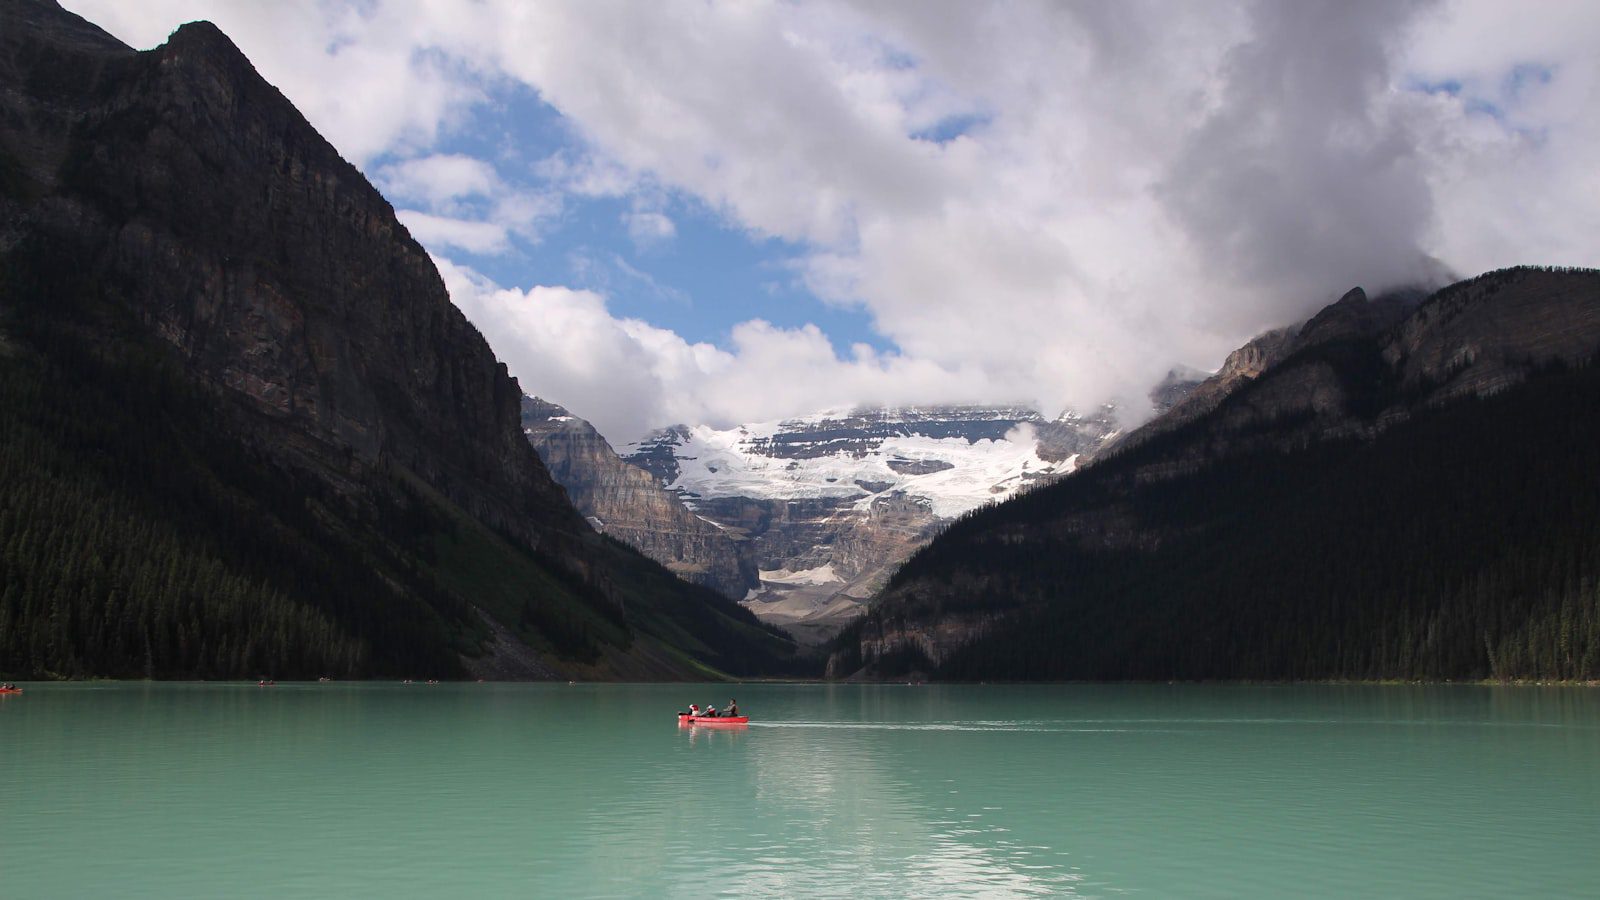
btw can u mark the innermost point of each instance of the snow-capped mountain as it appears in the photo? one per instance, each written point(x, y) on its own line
point(829, 504)
point(804, 519)
point(954, 458)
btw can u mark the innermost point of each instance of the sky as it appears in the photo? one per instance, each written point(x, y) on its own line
point(726, 211)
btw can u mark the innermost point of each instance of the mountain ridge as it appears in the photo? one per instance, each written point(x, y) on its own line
point(168, 219)
point(626, 502)
point(810, 514)
point(1307, 523)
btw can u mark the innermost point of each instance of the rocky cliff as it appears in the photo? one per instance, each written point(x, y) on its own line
point(806, 518)
point(1356, 497)
point(827, 506)
point(1351, 317)
point(174, 197)
point(627, 503)
point(209, 207)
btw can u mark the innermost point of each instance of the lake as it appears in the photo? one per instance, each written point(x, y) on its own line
point(500, 790)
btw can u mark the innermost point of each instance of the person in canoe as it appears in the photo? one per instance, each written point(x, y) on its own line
point(733, 708)
point(694, 710)
point(711, 712)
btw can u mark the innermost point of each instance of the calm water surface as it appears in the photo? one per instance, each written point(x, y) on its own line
point(369, 790)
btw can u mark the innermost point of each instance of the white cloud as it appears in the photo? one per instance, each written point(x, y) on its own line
point(1511, 152)
point(438, 179)
point(1032, 200)
point(627, 376)
point(1146, 183)
point(1306, 174)
point(648, 230)
point(588, 175)
point(461, 234)
point(465, 203)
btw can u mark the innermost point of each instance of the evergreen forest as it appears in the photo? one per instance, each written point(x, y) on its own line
point(145, 533)
point(1461, 544)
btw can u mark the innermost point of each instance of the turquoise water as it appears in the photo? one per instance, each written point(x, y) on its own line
point(484, 790)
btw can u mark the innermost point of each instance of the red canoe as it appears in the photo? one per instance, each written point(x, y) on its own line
point(712, 720)
point(19, 690)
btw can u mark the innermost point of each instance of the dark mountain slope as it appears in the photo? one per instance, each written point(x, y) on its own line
point(1410, 500)
point(245, 429)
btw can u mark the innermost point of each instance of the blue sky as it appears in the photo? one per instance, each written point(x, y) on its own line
point(699, 281)
point(718, 212)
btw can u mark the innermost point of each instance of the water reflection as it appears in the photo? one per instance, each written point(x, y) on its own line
point(840, 803)
point(358, 790)
point(708, 734)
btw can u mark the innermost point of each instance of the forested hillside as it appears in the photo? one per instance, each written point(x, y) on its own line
point(244, 432)
point(1397, 532)
point(140, 540)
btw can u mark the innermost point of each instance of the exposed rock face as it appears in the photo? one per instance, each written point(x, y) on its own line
point(1241, 367)
point(805, 519)
point(828, 506)
point(657, 454)
point(1178, 384)
point(820, 558)
point(269, 263)
point(1077, 437)
point(1352, 317)
point(626, 502)
point(197, 206)
point(918, 466)
point(808, 517)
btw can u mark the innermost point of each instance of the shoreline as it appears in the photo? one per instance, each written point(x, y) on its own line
point(1332, 682)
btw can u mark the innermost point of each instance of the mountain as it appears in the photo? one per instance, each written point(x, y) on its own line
point(827, 506)
point(1350, 317)
point(625, 502)
point(1404, 487)
point(243, 430)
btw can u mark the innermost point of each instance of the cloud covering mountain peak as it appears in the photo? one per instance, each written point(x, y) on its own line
point(1030, 201)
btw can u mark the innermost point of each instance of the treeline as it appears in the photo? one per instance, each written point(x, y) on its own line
point(147, 531)
point(1463, 544)
point(138, 539)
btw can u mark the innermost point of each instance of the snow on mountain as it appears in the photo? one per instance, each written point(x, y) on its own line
point(823, 574)
point(829, 504)
point(957, 456)
point(955, 474)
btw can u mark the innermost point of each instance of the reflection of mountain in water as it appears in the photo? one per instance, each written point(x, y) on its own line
point(882, 826)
